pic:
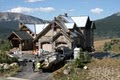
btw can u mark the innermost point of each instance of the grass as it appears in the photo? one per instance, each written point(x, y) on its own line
point(105, 69)
point(74, 74)
point(100, 44)
point(116, 48)
point(98, 69)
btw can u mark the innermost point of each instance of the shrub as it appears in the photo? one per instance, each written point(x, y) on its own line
point(4, 58)
point(115, 41)
point(82, 59)
point(107, 46)
point(5, 45)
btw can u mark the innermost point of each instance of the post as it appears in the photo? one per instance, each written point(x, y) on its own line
point(39, 47)
point(35, 29)
point(52, 37)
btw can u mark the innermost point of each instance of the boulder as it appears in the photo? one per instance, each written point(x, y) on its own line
point(6, 66)
point(66, 72)
point(13, 64)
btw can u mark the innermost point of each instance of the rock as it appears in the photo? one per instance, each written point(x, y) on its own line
point(6, 66)
point(85, 67)
point(66, 72)
point(13, 64)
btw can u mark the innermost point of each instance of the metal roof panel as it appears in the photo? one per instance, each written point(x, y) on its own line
point(80, 21)
point(40, 27)
point(69, 25)
point(68, 19)
point(36, 28)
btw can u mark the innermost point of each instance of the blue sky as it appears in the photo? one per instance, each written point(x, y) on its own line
point(48, 9)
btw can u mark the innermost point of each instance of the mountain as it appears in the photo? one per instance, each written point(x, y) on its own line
point(108, 27)
point(8, 16)
point(10, 21)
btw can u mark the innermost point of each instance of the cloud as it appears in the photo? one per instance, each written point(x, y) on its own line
point(30, 10)
point(45, 9)
point(70, 10)
point(97, 10)
point(33, 0)
point(21, 10)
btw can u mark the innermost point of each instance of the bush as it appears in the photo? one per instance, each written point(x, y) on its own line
point(4, 58)
point(5, 45)
point(107, 46)
point(115, 41)
point(82, 59)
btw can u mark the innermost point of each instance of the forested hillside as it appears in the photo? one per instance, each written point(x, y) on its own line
point(108, 27)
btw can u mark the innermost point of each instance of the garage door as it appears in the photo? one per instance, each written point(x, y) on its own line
point(47, 47)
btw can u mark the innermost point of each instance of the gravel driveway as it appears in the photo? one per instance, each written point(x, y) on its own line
point(27, 73)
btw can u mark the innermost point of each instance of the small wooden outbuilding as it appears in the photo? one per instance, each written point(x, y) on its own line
point(21, 40)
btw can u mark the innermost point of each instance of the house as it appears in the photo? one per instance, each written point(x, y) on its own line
point(21, 40)
point(63, 30)
point(66, 31)
point(84, 27)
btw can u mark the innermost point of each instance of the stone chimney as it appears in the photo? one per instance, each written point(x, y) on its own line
point(20, 25)
point(55, 18)
point(66, 15)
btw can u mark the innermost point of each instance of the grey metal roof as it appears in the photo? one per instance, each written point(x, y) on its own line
point(80, 21)
point(36, 28)
point(68, 19)
point(69, 25)
point(62, 25)
point(23, 35)
point(40, 27)
point(77, 32)
point(73, 34)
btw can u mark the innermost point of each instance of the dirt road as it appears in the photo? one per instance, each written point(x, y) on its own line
point(27, 73)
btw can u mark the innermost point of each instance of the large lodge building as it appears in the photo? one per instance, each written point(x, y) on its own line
point(63, 30)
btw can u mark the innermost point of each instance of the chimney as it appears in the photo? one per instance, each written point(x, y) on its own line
point(65, 14)
point(55, 18)
point(21, 23)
